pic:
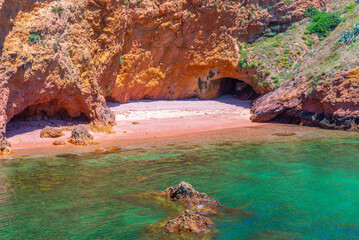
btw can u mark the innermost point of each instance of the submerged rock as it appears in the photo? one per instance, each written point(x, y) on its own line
point(81, 136)
point(49, 132)
point(189, 222)
point(284, 134)
point(185, 194)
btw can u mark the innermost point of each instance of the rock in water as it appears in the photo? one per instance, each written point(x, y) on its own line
point(81, 136)
point(189, 222)
point(185, 194)
point(49, 132)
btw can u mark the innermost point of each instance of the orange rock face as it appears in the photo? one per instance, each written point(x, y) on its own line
point(66, 62)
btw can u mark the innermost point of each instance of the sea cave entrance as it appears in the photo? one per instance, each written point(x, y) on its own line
point(236, 88)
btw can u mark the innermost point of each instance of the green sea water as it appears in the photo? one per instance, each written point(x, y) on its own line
point(291, 190)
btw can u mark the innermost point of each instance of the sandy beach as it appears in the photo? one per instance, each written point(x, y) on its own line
point(140, 121)
point(149, 123)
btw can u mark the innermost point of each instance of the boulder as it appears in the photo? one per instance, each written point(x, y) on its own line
point(189, 222)
point(49, 132)
point(185, 194)
point(81, 136)
point(5, 147)
point(59, 142)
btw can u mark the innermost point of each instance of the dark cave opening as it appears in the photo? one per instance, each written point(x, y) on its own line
point(236, 88)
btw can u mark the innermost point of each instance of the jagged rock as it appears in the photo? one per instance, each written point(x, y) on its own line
point(49, 132)
point(80, 136)
point(185, 194)
point(189, 222)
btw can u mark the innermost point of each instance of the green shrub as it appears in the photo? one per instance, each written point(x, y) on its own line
point(309, 42)
point(252, 65)
point(349, 8)
point(55, 47)
point(34, 38)
point(322, 23)
point(267, 72)
point(276, 44)
point(242, 63)
point(275, 79)
point(57, 10)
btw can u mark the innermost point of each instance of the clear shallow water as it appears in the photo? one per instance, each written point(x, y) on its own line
point(297, 190)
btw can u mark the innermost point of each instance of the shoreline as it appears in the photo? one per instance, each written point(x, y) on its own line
point(159, 123)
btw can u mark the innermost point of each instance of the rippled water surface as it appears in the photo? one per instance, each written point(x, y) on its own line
point(292, 190)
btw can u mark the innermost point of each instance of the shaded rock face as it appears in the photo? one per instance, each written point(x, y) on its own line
point(333, 104)
point(189, 222)
point(69, 62)
point(49, 132)
point(80, 136)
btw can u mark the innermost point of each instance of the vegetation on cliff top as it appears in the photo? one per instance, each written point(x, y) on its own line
point(309, 48)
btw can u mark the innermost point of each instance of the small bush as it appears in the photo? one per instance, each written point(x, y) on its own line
point(275, 79)
point(276, 44)
point(252, 65)
point(349, 8)
point(309, 42)
point(242, 63)
point(55, 47)
point(34, 38)
point(57, 10)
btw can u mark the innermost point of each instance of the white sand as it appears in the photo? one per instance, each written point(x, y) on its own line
point(149, 109)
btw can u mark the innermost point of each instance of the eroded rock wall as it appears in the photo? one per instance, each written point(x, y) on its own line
point(333, 104)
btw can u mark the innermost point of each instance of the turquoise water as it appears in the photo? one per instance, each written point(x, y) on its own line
point(291, 190)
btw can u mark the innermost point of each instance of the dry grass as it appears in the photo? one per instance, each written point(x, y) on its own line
point(287, 55)
point(329, 56)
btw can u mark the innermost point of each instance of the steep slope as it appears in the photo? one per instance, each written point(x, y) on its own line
point(323, 88)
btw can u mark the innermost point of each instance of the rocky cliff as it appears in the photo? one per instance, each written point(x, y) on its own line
point(64, 58)
point(333, 104)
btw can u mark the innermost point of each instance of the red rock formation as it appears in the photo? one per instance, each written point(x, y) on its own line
point(332, 104)
point(107, 48)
